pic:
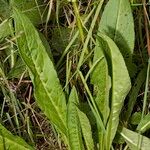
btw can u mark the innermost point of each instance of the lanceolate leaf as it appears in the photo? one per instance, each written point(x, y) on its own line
point(74, 127)
point(100, 80)
point(86, 130)
point(48, 91)
point(132, 139)
point(11, 142)
point(117, 23)
point(120, 84)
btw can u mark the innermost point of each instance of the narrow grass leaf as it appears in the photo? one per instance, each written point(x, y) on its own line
point(74, 127)
point(47, 89)
point(120, 82)
point(132, 138)
point(11, 142)
point(86, 130)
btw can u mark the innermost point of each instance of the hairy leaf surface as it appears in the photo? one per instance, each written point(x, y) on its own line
point(74, 127)
point(48, 91)
point(11, 142)
point(120, 82)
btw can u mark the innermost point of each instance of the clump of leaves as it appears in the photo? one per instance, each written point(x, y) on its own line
point(99, 70)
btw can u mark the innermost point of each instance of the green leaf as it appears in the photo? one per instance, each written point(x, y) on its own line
point(86, 130)
point(35, 10)
point(11, 142)
point(135, 91)
point(136, 118)
point(117, 23)
point(120, 82)
point(18, 69)
point(4, 10)
point(47, 89)
point(144, 125)
point(74, 127)
point(132, 139)
point(100, 79)
point(5, 29)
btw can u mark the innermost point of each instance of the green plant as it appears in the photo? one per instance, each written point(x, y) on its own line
point(88, 112)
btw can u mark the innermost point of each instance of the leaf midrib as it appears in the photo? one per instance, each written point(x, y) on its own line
point(40, 79)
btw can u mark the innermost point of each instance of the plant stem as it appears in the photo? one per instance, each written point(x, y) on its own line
point(79, 24)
